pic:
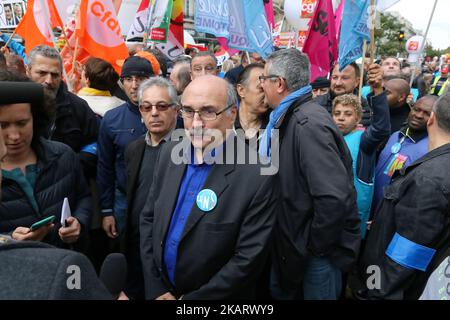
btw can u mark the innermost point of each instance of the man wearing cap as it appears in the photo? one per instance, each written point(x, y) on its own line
point(119, 127)
point(320, 86)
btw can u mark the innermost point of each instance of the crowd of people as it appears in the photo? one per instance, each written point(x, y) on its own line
point(150, 162)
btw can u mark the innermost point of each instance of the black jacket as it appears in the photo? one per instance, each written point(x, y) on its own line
point(326, 101)
point(37, 271)
point(76, 125)
point(222, 252)
point(58, 175)
point(317, 213)
point(416, 205)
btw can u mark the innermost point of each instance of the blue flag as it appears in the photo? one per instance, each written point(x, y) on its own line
point(212, 16)
point(238, 36)
point(243, 23)
point(257, 26)
point(354, 29)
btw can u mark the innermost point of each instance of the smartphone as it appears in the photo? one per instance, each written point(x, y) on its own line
point(42, 223)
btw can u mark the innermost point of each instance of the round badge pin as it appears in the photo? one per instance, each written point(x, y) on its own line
point(396, 147)
point(206, 200)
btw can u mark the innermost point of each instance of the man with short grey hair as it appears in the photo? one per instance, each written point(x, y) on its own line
point(74, 124)
point(317, 236)
point(181, 73)
point(158, 106)
point(410, 233)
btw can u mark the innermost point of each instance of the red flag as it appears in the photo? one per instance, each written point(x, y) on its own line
point(33, 27)
point(99, 33)
point(268, 7)
point(321, 44)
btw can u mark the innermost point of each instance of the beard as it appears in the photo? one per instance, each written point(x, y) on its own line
point(51, 92)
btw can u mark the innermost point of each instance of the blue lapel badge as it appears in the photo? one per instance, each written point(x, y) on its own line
point(206, 200)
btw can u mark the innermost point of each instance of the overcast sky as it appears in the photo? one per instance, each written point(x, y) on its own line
point(418, 12)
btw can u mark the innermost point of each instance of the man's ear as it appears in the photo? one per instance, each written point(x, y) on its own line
point(431, 120)
point(282, 86)
point(28, 70)
point(357, 82)
point(240, 90)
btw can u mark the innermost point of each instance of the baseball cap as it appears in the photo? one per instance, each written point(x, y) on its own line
point(136, 66)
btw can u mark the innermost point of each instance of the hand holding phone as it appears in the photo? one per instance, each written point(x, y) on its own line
point(36, 232)
point(41, 223)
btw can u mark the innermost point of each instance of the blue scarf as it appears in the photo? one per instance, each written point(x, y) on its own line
point(275, 115)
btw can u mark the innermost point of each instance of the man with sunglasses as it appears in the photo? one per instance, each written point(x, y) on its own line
point(206, 225)
point(158, 105)
point(118, 128)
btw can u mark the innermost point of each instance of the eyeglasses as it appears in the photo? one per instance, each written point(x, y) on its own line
point(208, 69)
point(138, 79)
point(270, 76)
point(148, 107)
point(206, 113)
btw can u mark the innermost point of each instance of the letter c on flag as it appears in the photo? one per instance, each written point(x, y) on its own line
point(100, 5)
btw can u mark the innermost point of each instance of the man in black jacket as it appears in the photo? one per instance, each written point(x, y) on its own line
point(206, 225)
point(317, 234)
point(158, 105)
point(75, 124)
point(411, 228)
point(342, 82)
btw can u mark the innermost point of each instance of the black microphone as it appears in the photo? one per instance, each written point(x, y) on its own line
point(113, 273)
point(20, 92)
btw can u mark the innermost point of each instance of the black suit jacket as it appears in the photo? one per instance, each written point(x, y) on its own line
point(133, 159)
point(222, 252)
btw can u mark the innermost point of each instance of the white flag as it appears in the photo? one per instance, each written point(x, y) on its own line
point(383, 5)
point(137, 29)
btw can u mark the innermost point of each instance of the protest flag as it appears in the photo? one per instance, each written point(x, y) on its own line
point(34, 27)
point(355, 28)
point(321, 42)
point(137, 28)
point(99, 33)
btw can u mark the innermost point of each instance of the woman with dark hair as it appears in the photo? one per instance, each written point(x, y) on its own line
point(37, 174)
point(100, 79)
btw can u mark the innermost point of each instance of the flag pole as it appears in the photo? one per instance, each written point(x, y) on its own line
point(49, 26)
point(361, 75)
point(372, 31)
point(149, 22)
point(75, 54)
point(423, 43)
point(10, 38)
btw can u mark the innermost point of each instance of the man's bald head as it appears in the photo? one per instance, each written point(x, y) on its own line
point(397, 91)
point(207, 85)
point(208, 109)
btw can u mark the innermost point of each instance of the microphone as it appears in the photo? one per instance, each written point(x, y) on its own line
point(20, 92)
point(113, 273)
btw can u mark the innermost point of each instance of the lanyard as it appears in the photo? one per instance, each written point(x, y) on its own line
point(398, 145)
